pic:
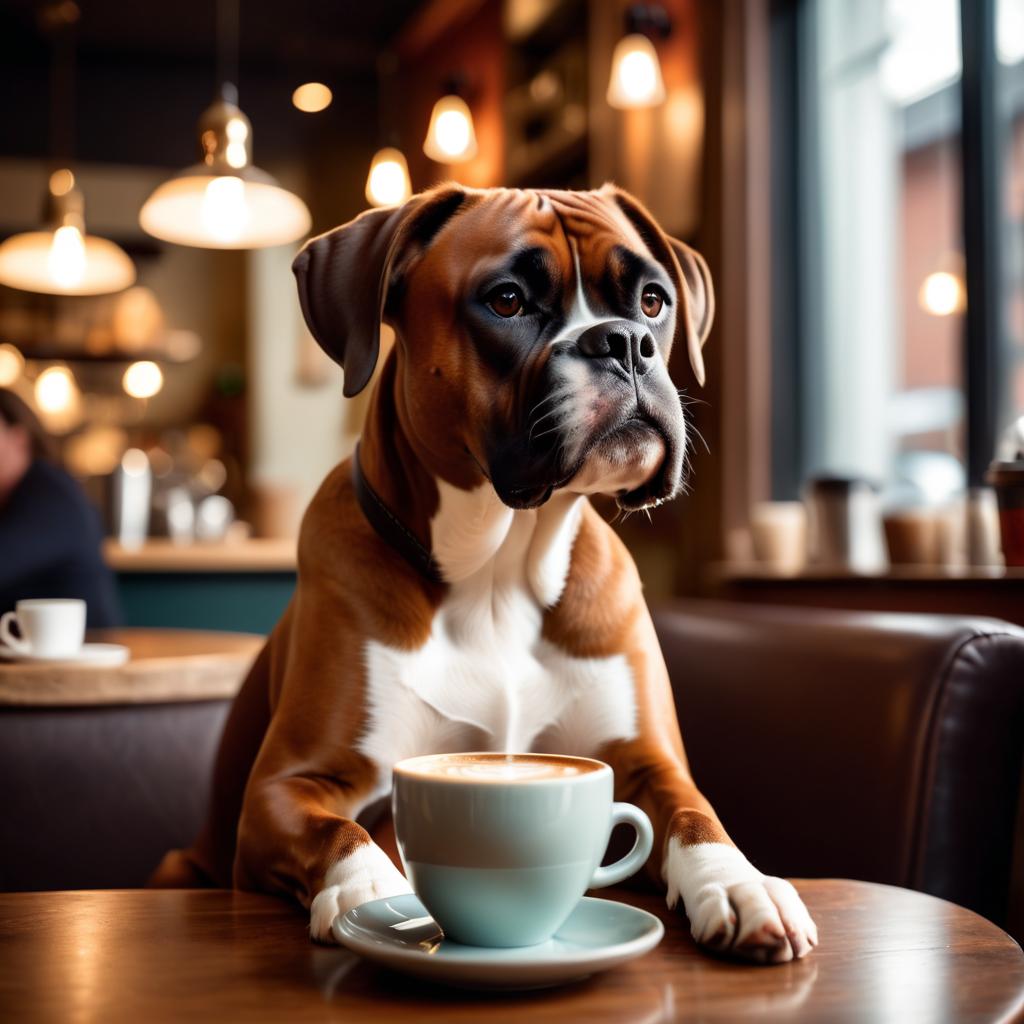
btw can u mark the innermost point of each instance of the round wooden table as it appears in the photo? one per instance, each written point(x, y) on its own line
point(165, 665)
point(886, 955)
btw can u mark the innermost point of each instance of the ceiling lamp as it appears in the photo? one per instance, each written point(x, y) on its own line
point(62, 259)
point(224, 202)
point(388, 182)
point(636, 71)
point(451, 137)
point(312, 97)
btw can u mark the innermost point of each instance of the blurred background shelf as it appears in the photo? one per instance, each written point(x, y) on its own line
point(980, 590)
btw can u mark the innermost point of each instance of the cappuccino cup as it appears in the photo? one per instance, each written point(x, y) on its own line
point(501, 847)
point(47, 627)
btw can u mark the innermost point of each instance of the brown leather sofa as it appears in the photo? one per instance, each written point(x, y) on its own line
point(885, 747)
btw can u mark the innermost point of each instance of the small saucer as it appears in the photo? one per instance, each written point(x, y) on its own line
point(100, 655)
point(400, 934)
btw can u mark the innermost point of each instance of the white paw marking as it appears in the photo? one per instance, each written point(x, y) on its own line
point(733, 908)
point(365, 874)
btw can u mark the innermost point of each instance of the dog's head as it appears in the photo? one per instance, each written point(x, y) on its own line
point(533, 333)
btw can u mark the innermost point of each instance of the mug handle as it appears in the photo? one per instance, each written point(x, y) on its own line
point(636, 858)
point(16, 644)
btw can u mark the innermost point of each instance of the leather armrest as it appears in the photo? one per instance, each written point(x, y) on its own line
point(885, 747)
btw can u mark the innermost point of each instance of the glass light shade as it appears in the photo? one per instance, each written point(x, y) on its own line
point(246, 210)
point(636, 74)
point(388, 182)
point(451, 137)
point(64, 262)
point(62, 259)
point(224, 202)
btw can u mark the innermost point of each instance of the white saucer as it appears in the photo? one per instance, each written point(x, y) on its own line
point(100, 655)
point(398, 933)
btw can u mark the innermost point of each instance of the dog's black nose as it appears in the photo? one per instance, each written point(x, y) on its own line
point(627, 343)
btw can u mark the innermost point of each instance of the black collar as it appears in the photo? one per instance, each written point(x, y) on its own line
point(391, 528)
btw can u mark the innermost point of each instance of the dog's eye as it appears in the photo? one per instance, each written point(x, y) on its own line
point(652, 300)
point(506, 300)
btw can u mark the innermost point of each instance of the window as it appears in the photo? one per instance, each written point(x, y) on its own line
point(870, 258)
point(1010, 105)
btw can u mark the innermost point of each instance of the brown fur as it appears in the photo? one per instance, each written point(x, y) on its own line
point(288, 774)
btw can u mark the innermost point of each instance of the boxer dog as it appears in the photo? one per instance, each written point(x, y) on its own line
point(456, 589)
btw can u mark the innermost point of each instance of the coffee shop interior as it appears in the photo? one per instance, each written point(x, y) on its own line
point(839, 590)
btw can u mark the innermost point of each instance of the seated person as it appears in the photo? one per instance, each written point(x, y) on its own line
point(49, 533)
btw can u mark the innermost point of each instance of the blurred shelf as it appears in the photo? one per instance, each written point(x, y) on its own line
point(967, 590)
point(48, 355)
point(757, 572)
point(159, 555)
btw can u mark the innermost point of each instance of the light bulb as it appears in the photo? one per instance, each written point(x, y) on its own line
point(225, 213)
point(55, 390)
point(941, 294)
point(143, 379)
point(452, 132)
point(65, 262)
point(312, 97)
point(636, 74)
point(12, 362)
point(451, 137)
point(388, 183)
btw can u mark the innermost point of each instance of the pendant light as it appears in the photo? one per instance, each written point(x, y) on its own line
point(451, 136)
point(636, 80)
point(224, 202)
point(388, 182)
point(61, 259)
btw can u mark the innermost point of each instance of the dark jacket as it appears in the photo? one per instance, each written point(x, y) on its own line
point(50, 540)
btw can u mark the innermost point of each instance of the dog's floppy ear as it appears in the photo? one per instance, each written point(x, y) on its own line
point(345, 276)
point(688, 270)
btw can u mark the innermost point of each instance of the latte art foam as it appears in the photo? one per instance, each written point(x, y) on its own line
point(499, 767)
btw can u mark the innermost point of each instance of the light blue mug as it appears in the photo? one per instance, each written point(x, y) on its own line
point(501, 847)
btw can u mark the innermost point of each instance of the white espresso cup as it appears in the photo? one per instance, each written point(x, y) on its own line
point(48, 627)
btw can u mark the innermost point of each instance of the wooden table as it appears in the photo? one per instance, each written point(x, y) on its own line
point(886, 955)
point(165, 665)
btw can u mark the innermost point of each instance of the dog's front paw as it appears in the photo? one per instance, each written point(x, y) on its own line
point(365, 874)
point(734, 909)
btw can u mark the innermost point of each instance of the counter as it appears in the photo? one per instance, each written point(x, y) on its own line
point(239, 587)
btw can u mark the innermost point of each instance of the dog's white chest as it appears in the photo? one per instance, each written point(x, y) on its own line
point(486, 679)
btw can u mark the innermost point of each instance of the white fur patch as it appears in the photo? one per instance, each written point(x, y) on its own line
point(547, 561)
point(486, 679)
point(365, 874)
point(732, 906)
point(573, 411)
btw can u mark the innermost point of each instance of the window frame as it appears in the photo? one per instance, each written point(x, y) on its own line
point(797, 313)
